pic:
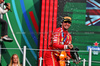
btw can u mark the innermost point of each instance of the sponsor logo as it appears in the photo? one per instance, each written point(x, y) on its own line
point(94, 48)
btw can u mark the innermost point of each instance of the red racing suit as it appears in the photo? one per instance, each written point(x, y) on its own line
point(52, 57)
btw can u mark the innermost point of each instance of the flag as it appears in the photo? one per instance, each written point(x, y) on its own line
point(93, 13)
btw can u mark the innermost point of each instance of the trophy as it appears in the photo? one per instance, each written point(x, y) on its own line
point(75, 55)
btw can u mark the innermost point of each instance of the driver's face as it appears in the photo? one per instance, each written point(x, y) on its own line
point(66, 25)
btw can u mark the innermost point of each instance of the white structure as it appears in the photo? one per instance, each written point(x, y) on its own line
point(24, 56)
point(90, 55)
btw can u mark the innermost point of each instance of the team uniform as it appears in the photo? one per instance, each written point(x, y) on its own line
point(60, 41)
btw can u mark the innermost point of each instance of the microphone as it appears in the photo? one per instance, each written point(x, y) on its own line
point(6, 5)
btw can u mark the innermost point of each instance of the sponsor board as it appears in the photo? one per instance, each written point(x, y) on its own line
point(95, 48)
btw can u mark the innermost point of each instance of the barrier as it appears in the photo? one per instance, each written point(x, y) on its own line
point(24, 55)
point(84, 62)
point(41, 59)
point(90, 55)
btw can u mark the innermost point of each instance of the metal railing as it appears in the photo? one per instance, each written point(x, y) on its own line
point(41, 59)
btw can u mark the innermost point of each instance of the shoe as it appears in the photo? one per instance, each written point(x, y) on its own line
point(8, 39)
point(1, 40)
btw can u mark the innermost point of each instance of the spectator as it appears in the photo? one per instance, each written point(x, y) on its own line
point(14, 61)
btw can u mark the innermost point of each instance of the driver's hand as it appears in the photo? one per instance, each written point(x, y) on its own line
point(70, 46)
point(68, 58)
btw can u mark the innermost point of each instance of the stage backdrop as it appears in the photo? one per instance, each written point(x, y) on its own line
point(23, 28)
point(24, 23)
point(85, 27)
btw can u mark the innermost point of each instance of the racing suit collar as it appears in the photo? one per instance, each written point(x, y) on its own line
point(64, 31)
